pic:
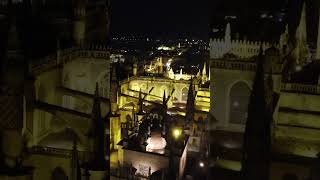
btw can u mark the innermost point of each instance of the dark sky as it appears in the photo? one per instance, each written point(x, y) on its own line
point(160, 17)
point(186, 17)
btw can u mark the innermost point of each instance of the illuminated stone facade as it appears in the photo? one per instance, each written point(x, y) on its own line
point(56, 89)
point(140, 99)
point(240, 48)
point(69, 85)
point(294, 128)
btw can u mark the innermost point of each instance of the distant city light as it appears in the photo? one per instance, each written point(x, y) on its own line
point(165, 48)
point(230, 17)
point(215, 30)
point(263, 15)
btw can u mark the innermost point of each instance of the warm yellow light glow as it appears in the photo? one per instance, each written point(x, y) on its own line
point(181, 113)
point(228, 164)
point(176, 133)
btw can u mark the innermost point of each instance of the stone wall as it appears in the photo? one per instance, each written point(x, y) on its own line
point(143, 160)
point(221, 84)
point(240, 48)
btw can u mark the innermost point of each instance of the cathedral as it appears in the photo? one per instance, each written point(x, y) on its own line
point(66, 115)
point(265, 104)
point(160, 116)
point(251, 111)
point(55, 89)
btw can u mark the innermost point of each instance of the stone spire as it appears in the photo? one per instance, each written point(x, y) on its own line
point(209, 72)
point(15, 63)
point(114, 91)
point(204, 73)
point(318, 42)
point(98, 134)
point(284, 39)
point(96, 110)
point(171, 73)
point(227, 35)
point(301, 50)
point(79, 22)
point(227, 38)
point(74, 159)
point(257, 136)
point(160, 65)
point(135, 69)
point(140, 103)
point(180, 75)
point(190, 103)
point(204, 70)
point(163, 122)
point(164, 99)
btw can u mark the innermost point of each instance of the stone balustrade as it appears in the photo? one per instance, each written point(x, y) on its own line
point(53, 151)
point(245, 65)
point(241, 48)
point(300, 88)
point(234, 65)
point(153, 78)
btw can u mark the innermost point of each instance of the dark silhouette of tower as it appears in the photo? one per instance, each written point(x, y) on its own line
point(256, 148)
point(190, 103)
point(97, 135)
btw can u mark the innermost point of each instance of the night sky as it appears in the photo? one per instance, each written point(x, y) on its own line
point(160, 17)
point(188, 17)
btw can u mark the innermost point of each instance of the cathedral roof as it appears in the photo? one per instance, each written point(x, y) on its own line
point(61, 140)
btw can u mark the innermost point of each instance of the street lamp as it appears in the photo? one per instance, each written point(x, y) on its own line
point(176, 133)
point(201, 164)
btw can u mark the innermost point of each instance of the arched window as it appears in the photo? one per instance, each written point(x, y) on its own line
point(184, 94)
point(239, 99)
